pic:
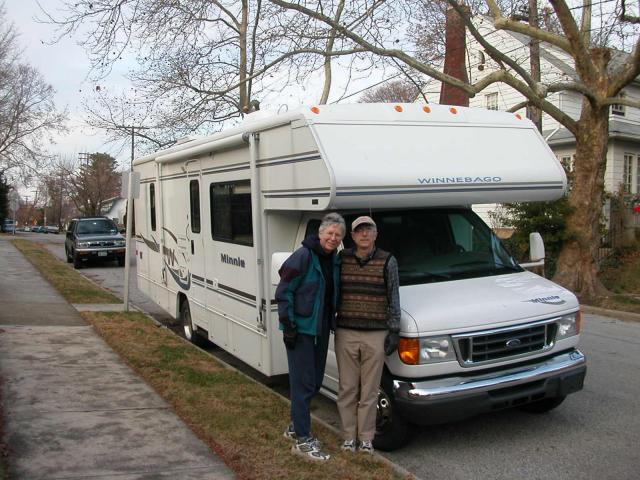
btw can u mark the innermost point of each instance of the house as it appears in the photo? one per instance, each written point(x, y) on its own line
point(115, 208)
point(623, 165)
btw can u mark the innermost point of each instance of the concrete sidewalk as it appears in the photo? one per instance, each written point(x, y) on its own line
point(71, 408)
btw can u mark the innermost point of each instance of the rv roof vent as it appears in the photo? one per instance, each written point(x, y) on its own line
point(184, 140)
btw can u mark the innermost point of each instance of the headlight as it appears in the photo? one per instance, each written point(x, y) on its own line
point(569, 325)
point(83, 244)
point(119, 243)
point(415, 351)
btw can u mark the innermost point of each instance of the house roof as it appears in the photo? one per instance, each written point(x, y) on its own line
point(618, 129)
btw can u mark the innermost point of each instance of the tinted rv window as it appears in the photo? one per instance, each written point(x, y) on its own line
point(194, 198)
point(152, 205)
point(231, 212)
point(439, 245)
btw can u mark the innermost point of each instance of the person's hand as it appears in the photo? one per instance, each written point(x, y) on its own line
point(289, 335)
point(391, 342)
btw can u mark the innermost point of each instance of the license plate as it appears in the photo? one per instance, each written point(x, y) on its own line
point(102, 254)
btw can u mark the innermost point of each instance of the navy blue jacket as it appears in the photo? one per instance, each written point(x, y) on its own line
point(300, 293)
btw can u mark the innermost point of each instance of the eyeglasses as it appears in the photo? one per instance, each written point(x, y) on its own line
point(365, 229)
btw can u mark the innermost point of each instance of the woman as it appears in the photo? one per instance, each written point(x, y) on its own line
point(307, 297)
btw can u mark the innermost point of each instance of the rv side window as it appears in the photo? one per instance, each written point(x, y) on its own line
point(152, 205)
point(231, 212)
point(194, 198)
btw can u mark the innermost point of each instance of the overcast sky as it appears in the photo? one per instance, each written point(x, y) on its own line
point(64, 65)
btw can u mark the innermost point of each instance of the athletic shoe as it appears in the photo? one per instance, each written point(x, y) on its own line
point(290, 434)
point(309, 449)
point(366, 447)
point(349, 446)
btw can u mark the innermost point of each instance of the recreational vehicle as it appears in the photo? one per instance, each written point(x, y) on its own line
point(217, 216)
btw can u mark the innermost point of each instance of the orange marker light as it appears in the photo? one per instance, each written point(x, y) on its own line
point(426, 109)
point(398, 108)
point(315, 109)
point(518, 116)
point(578, 321)
point(409, 350)
point(453, 110)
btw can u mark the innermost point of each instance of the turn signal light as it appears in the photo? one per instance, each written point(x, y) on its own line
point(315, 110)
point(426, 109)
point(578, 321)
point(409, 350)
point(398, 108)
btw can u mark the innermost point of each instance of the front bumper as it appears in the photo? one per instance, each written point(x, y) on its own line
point(107, 253)
point(428, 402)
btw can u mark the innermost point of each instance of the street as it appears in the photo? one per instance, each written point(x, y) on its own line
point(593, 434)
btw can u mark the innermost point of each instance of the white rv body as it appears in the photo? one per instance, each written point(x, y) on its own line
point(284, 170)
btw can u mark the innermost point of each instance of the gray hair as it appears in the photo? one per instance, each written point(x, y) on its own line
point(333, 219)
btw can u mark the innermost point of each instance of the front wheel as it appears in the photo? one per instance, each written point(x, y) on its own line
point(187, 325)
point(392, 431)
point(77, 261)
point(543, 406)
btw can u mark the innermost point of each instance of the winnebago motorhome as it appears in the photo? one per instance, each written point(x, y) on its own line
point(218, 215)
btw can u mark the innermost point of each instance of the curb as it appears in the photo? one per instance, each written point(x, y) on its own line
point(618, 314)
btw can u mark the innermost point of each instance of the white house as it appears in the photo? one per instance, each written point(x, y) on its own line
point(624, 128)
point(114, 208)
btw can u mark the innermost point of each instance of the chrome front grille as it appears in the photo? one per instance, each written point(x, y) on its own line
point(488, 346)
point(102, 243)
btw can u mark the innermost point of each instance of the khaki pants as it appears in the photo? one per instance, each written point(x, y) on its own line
point(360, 356)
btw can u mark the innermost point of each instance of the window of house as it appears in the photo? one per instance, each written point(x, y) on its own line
point(617, 109)
point(491, 101)
point(567, 163)
point(231, 212)
point(194, 201)
point(152, 205)
point(627, 173)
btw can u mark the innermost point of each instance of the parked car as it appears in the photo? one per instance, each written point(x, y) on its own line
point(8, 225)
point(91, 238)
point(51, 229)
point(38, 229)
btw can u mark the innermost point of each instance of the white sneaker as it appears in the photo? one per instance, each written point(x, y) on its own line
point(349, 445)
point(309, 449)
point(366, 447)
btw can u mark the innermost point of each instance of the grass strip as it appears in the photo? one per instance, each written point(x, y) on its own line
point(74, 287)
point(241, 420)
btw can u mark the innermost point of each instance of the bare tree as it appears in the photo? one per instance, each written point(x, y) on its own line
point(395, 91)
point(597, 79)
point(28, 115)
point(200, 62)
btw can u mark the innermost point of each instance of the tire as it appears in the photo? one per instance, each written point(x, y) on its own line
point(185, 317)
point(77, 261)
point(392, 431)
point(543, 406)
point(121, 261)
point(69, 257)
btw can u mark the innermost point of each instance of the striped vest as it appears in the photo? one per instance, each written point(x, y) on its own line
point(364, 304)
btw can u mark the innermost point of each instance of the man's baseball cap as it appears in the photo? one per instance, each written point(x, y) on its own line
point(364, 220)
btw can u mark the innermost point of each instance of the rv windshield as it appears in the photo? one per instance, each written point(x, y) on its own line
point(438, 245)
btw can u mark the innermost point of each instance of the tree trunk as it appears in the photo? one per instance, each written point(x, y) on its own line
point(244, 97)
point(577, 264)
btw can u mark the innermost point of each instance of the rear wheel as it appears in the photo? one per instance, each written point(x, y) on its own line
point(392, 431)
point(543, 406)
point(187, 325)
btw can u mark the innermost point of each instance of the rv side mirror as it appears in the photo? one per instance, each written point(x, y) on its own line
point(536, 247)
point(277, 259)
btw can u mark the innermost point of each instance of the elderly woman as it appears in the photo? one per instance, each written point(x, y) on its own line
point(307, 297)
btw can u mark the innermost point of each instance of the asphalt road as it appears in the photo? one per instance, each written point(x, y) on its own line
point(594, 434)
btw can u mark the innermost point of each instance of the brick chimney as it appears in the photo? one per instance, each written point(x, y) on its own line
point(454, 60)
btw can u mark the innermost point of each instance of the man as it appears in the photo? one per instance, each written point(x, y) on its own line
point(368, 323)
point(307, 297)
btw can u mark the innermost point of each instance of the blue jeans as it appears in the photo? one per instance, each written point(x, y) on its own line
point(306, 371)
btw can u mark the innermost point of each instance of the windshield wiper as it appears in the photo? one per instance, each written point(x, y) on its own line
point(413, 274)
point(488, 263)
